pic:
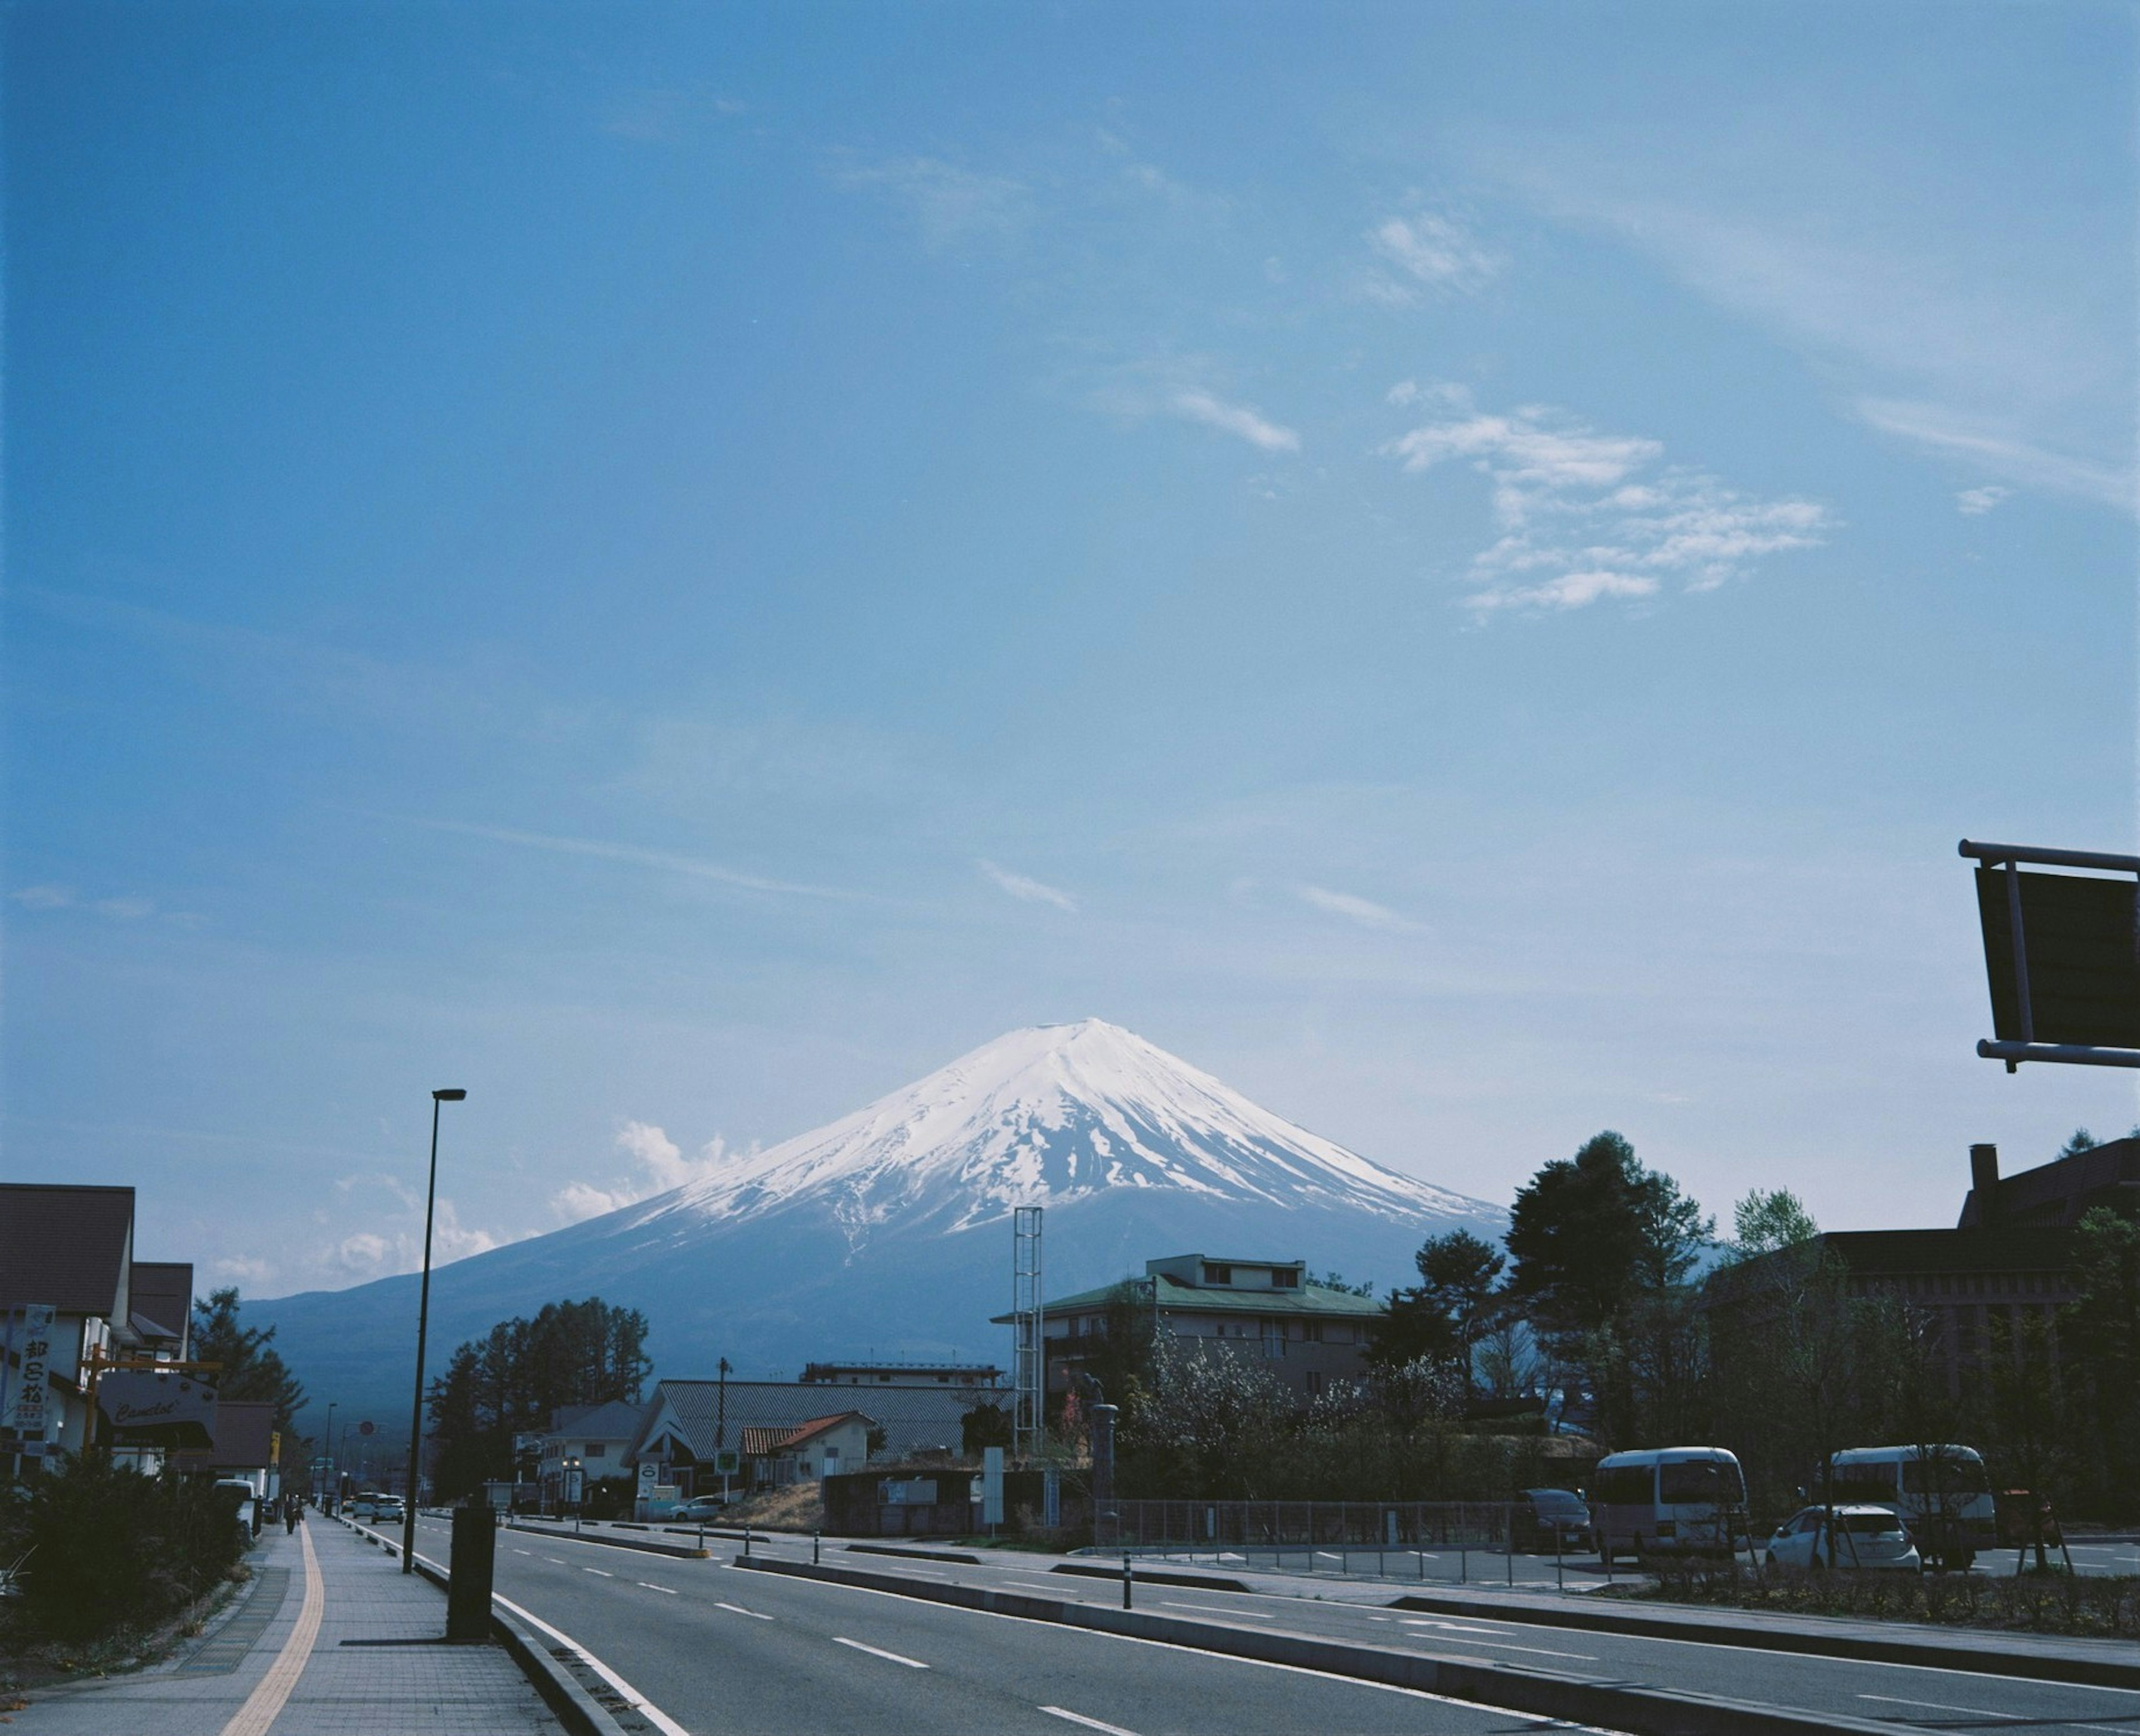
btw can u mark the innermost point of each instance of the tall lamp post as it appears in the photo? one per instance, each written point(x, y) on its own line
point(327, 1475)
point(423, 1325)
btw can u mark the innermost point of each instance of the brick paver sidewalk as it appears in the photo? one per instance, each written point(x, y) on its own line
point(376, 1665)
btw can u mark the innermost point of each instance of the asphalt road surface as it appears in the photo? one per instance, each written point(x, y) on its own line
point(718, 1648)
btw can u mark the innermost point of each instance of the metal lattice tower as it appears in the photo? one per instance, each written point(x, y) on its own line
point(1029, 1348)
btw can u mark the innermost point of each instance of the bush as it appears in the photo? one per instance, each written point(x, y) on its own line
point(110, 1549)
point(2096, 1606)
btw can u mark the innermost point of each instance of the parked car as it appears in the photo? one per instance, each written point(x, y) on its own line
point(1863, 1537)
point(699, 1508)
point(1546, 1519)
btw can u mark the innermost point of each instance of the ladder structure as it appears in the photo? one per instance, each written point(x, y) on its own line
point(1029, 1347)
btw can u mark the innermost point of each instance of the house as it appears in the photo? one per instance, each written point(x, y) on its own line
point(598, 1436)
point(2008, 1261)
point(70, 1250)
point(821, 1447)
point(690, 1423)
point(980, 1376)
point(1309, 1335)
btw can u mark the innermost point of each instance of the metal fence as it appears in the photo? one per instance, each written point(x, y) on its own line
point(1359, 1524)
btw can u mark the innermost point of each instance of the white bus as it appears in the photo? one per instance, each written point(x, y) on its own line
point(1941, 1492)
point(1668, 1501)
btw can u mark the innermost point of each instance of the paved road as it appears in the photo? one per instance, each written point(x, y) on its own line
point(719, 1649)
point(1161, 1688)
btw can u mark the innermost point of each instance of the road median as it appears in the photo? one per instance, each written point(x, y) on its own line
point(1643, 1711)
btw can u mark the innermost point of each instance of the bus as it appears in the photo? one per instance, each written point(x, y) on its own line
point(1668, 1501)
point(1941, 1493)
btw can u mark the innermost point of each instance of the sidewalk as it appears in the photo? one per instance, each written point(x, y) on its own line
point(343, 1644)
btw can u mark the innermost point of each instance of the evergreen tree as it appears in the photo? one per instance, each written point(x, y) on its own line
point(251, 1369)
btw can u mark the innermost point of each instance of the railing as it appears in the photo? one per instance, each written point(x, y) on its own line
point(1361, 1524)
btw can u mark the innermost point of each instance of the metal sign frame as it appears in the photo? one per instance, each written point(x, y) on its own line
point(2011, 857)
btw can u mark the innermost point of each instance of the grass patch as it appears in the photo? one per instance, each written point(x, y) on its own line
point(2081, 1605)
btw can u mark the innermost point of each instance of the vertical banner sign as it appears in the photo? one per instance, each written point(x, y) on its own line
point(991, 1485)
point(36, 1361)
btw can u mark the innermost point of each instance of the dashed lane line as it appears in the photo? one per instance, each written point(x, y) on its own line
point(1090, 1723)
point(665, 1591)
point(1893, 1699)
point(599, 1572)
point(889, 1657)
point(736, 1609)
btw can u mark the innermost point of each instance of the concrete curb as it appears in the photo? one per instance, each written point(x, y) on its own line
point(1573, 1698)
point(559, 1689)
point(1157, 1576)
point(915, 1555)
point(1971, 1649)
point(678, 1551)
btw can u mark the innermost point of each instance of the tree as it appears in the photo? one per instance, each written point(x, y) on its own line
point(1447, 1313)
point(1764, 1223)
point(2099, 1337)
point(1576, 1237)
point(2082, 1141)
point(252, 1369)
point(512, 1379)
point(985, 1426)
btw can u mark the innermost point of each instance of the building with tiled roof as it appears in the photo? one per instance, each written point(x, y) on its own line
point(690, 1421)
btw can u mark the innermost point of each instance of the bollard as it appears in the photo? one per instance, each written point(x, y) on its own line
point(471, 1571)
point(746, 1540)
point(1559, 1577)
point(1126, 1580)
point(814, 1538)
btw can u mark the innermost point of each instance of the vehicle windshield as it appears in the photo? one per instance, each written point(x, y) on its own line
point(1710, 1482)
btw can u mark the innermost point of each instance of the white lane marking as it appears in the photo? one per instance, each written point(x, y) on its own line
point(603, 1571)
point(1042, 1585)
point(523, 1552)
point(736, 1609)
point(639, 1702)
point(555, 1561)
point(1504, 1645)
point(1211, 1609)
point(1452, 1627)
point(1320, 1675)
point(889, 1657)
point(1941, 1706)
point(665, 1591)
point(264, 1704)
point(1090, 1723)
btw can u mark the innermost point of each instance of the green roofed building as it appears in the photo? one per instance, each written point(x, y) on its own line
point(1310, 1334)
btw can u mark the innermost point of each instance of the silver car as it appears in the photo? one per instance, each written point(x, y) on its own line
point(1862, 1537)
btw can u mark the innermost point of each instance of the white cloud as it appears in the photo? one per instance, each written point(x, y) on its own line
point(1432, 253)
point(1974, 502)
point(950, 204)
point(365, 1252)
point(242, 1270)
point(662, 860)
point(1034, 891)
point(1586, 515)
point(1195, 404)
point(1971, 439)
point(662, 1167)
point(1364, 911)
point(52, 896)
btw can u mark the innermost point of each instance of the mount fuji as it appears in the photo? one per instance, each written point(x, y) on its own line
point(887, 1232)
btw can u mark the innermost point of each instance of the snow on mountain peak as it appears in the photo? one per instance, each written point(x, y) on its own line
point(1043, 1117)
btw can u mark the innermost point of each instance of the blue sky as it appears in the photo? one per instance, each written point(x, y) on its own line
point(1462, 568)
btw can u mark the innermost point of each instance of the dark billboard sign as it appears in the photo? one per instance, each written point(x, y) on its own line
point(2061, 954)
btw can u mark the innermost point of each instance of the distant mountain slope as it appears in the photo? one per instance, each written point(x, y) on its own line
point(887, 1231)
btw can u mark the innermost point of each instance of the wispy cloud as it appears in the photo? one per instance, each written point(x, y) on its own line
point(1428, 252)
point(661, 1168)
point(664, 861)
point(1195, 404)
point(1974, 502)
point(370, 1254)
point(54, 897)
point(1972, 438)
point(1364, 911)
point(1033, 891)
point(1586, 515)
point(949, 204)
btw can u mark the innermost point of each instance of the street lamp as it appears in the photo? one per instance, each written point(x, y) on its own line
point(423, 1325)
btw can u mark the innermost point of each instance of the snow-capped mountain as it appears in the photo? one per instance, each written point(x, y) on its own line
point(1045, 1116)
point(886, 1231)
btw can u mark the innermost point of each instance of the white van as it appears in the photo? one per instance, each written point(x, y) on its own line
point(1668, 1501)
point(1941, 1493)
